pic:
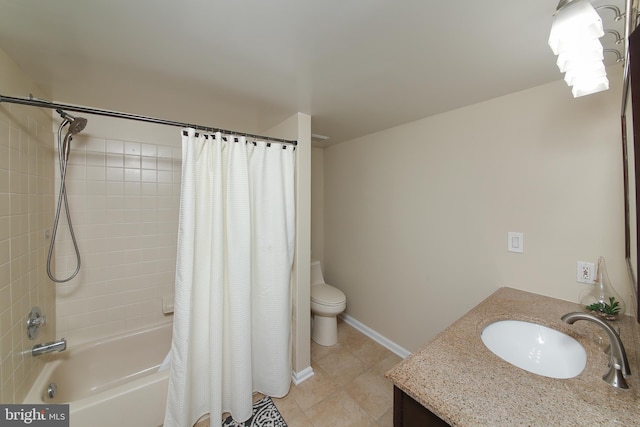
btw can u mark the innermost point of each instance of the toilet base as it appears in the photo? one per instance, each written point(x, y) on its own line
point(325, 330)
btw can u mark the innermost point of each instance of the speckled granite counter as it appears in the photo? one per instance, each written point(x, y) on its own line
point(461, 381)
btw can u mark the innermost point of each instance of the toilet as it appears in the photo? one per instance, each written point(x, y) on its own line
point(326, 303)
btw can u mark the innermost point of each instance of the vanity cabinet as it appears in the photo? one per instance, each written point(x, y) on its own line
point(409, 413)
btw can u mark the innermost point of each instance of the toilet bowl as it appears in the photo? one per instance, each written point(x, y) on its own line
point(326, 303)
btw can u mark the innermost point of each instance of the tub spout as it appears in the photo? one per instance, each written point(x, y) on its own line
point(39, 349)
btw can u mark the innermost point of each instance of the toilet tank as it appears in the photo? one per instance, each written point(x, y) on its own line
point(316, 272)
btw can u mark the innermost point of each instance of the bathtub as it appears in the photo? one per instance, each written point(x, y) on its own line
point(110, 382)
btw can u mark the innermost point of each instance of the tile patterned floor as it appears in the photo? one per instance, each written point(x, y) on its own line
point(348, 388)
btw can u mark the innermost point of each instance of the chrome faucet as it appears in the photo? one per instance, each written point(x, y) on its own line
point(618, 364)
point(39, 349)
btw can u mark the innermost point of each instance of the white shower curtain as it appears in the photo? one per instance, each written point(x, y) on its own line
point(231, 327)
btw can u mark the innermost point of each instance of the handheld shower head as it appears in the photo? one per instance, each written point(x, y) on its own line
point(76, 124)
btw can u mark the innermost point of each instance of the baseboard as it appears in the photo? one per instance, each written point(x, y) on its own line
point(383, 341)
point(299, 377)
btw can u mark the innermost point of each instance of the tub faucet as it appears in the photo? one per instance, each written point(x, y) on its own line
point(618, 364)
point(39, 349)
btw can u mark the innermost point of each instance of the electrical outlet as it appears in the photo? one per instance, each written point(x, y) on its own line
point(586, 272)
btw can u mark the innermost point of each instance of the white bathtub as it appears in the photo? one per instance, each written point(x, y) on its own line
point(110, 382)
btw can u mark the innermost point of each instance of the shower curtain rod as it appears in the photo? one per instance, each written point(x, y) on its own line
point(46, 104)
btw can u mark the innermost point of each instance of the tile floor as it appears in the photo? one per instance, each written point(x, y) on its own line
point(348, 387)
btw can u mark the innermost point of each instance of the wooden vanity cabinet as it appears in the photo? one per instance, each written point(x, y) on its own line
point(409, 413)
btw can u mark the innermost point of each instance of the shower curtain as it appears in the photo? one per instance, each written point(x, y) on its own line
point(231, 331)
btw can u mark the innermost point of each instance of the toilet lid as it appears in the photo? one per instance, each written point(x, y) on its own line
point(327, 295)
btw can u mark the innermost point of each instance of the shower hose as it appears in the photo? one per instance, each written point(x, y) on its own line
point(63, 157)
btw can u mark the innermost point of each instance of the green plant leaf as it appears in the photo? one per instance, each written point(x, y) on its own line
point(612, 308)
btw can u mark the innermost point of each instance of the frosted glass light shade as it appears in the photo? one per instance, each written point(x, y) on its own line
point(572, 25)
point(574, 38)
point(584, 71)
point(592, 51)
point(587, 87)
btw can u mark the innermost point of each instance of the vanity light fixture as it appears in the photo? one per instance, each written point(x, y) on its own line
point(574, 38)
point(616, 34)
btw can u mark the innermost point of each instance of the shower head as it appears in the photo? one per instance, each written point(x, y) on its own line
point(76, 124)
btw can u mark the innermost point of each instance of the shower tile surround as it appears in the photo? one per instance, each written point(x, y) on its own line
point(124, 200)
point(26, 209)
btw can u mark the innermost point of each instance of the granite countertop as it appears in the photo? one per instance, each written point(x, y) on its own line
point(461, 381)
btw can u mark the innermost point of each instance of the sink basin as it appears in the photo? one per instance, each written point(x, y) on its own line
point(535, 348)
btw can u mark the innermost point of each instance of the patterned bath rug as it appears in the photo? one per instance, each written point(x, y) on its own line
point(265, 414)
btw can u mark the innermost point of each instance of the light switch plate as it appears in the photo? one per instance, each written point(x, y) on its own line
point(515, 242)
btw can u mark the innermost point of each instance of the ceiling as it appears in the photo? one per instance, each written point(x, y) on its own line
point(355, 66)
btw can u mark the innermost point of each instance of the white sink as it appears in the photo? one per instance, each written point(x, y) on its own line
point(535, 348)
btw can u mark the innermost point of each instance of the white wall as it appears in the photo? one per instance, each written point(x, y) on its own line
point(416, 217)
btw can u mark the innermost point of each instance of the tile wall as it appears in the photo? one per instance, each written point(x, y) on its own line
point(26, 200)
point(124, 199)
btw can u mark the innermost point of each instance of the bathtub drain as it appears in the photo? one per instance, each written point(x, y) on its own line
point(52, 389)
